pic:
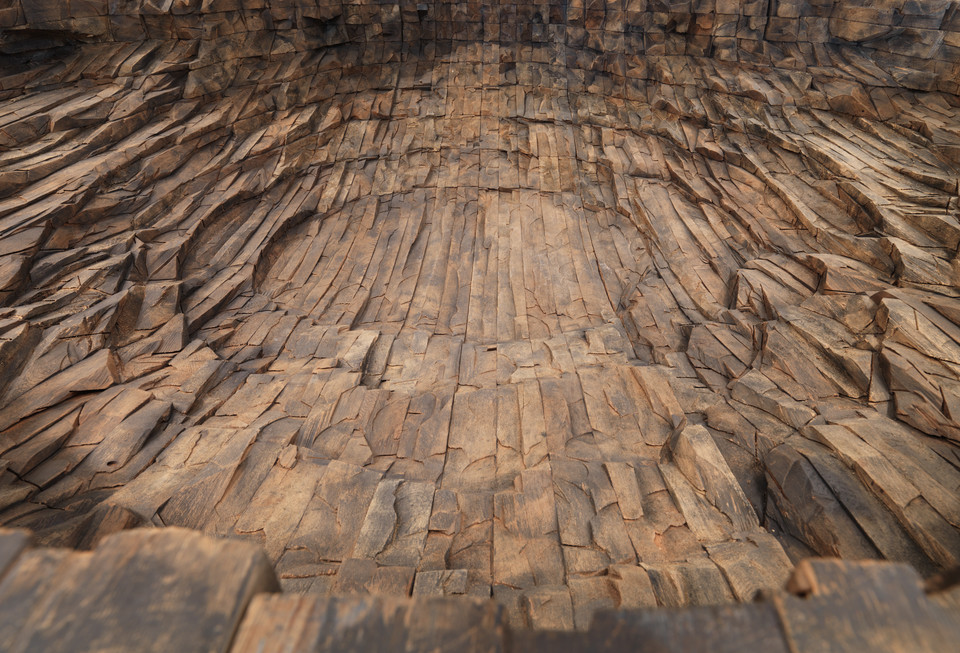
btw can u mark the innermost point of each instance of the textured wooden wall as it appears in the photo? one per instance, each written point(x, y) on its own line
point(574, 306)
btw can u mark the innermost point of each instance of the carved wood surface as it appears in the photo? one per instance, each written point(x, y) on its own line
point(577, 307)
point(173, 589)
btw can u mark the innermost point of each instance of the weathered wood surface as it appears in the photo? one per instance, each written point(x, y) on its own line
point(289, 624)
point(579, 306)
point(176, 590)
point(142, 590)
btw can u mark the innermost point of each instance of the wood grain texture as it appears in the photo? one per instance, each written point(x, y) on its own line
point(177, 590)
point(144, 590)
point(576, 305)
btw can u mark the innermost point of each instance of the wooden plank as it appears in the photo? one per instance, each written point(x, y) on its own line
point(183, 590)
point(296, 624)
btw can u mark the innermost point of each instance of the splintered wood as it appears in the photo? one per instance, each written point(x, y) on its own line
point(479, 317)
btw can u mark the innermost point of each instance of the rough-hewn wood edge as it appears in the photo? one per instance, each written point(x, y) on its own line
point(827, 602)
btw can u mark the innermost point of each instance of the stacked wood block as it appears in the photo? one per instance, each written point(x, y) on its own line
point(579, 306)
point(175, 590)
